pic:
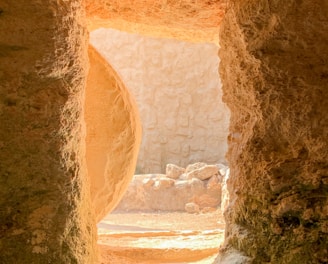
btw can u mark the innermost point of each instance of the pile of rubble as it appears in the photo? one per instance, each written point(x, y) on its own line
point(197, 188)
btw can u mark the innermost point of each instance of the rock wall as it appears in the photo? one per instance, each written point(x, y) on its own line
point(274, 70)
point(44, 194)
point(178, 92)
point(113, 135)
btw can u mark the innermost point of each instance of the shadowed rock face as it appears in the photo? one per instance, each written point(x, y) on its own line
point(274, 72)
point(44, 202)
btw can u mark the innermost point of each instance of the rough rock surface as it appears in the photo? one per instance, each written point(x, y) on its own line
point(113, 135)
point(185, 20)
point(195, 166)
point(151, 192)
point(44, 193)
point(203, 173)
point(177, 89)
point(174, 171)
point(278, 53)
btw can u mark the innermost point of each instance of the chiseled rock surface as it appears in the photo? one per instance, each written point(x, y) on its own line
point(178, 93)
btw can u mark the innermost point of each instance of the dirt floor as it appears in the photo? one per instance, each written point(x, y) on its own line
point(172, 237)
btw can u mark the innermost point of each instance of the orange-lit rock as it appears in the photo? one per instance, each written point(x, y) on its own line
point(113, 135)
point(196, 21)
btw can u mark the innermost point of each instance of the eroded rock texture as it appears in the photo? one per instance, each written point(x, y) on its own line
point(183, 19)
point(274, 70)
point(44, 202)
point(113, 135)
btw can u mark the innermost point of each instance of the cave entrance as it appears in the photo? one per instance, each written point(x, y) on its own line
point(178, 93)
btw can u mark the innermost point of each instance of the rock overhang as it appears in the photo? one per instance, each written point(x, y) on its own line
point(195, 21)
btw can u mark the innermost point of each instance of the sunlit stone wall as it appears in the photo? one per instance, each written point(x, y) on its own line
point(178, 92)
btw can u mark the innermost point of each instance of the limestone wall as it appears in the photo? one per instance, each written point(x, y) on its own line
point(274, 72)
point(178, 92)
point(44, 194)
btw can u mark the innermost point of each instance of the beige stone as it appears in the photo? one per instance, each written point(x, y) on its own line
point(222, 169)
point(203, 173)
point(183, 176)
point(174, 171)
point(206, 200)
point(224, 191)
point(195, 166)
point(148, 183)
point(113, 135)
point(197, 186)
point(192, 208)
point(275, 85)
point(214, 187)
point(206, 210)
point(163, 183)
point(153, 192)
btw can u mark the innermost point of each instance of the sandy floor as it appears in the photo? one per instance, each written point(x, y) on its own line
point(126, 238)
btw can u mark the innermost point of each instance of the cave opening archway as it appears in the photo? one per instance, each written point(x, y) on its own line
point(274, 70)
point(177, 83)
